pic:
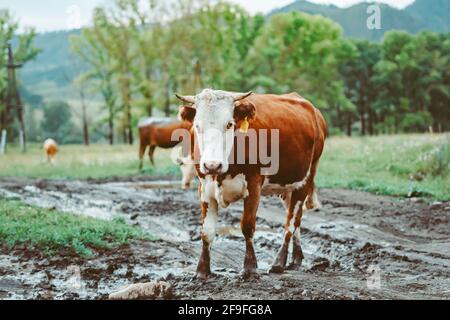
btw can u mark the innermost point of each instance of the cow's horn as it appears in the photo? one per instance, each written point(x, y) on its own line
point(240, 96)
point(187, 99)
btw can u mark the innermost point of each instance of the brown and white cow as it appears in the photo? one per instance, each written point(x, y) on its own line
point(51, 149)
point(158, 132)
point(300, 130)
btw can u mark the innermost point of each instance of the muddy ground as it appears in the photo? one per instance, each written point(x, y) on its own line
point(358, 246)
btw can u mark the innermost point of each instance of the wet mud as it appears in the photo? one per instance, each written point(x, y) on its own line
point(358, 246)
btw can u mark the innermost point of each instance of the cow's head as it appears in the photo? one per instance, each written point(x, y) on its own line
point(215, 116)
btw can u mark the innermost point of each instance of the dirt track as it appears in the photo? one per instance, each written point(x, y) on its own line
point(355, 240)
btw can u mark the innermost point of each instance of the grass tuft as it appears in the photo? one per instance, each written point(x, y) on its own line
point(50, 230)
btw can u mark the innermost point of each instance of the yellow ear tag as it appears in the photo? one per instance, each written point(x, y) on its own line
point(244, 126)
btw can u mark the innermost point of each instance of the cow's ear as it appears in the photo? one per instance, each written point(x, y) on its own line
point(187, 113)
point(244, 110)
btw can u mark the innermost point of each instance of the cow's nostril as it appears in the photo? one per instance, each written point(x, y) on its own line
point(213, 166)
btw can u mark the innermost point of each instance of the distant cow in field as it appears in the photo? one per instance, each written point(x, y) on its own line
point(51, 149)
point(157, 132)
point(220, 119)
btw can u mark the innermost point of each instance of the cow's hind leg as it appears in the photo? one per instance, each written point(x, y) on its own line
point(312, 202)
point(297, 252)
point(293, 203)
point(280, 261)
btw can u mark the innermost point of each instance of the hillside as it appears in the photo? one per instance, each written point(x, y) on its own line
point(433, 15)
point(50, 74)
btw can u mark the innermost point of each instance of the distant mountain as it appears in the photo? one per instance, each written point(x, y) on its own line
point(53, 67)
point(433, 15)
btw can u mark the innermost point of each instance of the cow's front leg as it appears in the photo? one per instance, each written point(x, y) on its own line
point(248, 222)
point(209, 217)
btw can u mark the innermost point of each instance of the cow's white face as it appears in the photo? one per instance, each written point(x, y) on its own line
point(214, 126)
point(214, 114)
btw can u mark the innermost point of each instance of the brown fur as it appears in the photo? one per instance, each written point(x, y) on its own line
point(153, 136)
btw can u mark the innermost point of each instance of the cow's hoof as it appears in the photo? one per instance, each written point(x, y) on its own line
point(276, 269)
point(294, 266)
point(250, 274)
point(203, 276)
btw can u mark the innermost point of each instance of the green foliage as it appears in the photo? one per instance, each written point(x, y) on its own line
point(57, 121)
point(23, 50)
point(136, 55)
point(50, 230)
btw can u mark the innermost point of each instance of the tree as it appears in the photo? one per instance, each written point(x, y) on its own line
point(57, 121)
point(357, 73)
point(412, 82)
point(23, 52)
point(101, 74)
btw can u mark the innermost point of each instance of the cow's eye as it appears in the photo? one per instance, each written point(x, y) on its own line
point(230, 125)
point(198, 128)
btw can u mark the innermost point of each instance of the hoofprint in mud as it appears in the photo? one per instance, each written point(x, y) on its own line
point(358, 246)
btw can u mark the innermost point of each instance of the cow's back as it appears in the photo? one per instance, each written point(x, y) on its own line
point(302, 132)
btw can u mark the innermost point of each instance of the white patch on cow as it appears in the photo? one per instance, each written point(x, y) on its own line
point(269, 189)
point(296, 233)
point(291, 228)
point(230, 190)
point(210, 222)
point(49, 143)
point(312, 202)
point(299, 185)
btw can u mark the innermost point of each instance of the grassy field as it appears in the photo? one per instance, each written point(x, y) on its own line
point(81, 162)
point(401, 165)
point(398, 165)
point(49, 230)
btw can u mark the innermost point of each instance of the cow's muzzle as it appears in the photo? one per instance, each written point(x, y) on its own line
point(212, 167)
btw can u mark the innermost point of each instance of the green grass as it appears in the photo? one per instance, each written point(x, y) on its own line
point(80, 162)
point(388, 165)
point(52, 231)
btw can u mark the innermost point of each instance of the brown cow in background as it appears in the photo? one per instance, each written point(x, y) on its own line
point(155, 132)
point(51, 149)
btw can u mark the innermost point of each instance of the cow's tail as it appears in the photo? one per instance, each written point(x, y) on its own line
point(312, 202)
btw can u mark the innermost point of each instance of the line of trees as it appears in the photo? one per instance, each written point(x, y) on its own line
point(139, 55)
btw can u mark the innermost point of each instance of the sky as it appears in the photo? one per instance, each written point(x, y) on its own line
point(50, 15)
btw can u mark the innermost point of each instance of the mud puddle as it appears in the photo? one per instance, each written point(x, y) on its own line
point(358, 246)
